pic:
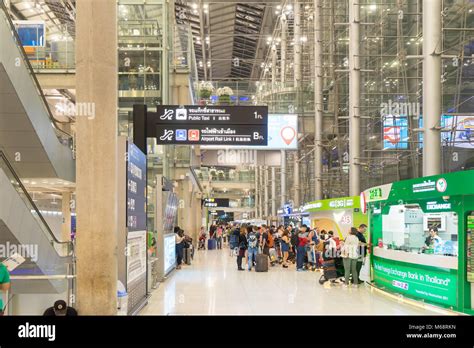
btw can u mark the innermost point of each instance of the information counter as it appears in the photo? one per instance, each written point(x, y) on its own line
point(420, 232)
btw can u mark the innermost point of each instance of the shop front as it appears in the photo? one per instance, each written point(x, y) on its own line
point(336, 214)
point(421, 233)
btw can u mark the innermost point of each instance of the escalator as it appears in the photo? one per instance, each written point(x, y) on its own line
point(48, 261)
point(30, 136)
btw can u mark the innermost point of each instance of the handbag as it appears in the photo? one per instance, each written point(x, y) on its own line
point(365, 270)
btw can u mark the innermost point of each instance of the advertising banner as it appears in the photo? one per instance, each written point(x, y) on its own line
point(457, 131)
point(337, 214)
point(331, 204)
point(136, 256)
point(136, 262)
point(136, 189)
point(169, 252)
point(31, 33)
point(430, 284)
point(470, 247)
point(395, 132)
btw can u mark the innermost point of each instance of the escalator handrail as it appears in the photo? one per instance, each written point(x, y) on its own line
point(27, 195)
point(31, 70)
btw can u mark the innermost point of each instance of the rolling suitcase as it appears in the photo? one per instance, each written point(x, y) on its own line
point(262, 263)
point(187, 256)
point(211, 244)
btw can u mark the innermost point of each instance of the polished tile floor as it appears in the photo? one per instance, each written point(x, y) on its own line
point(212, 285)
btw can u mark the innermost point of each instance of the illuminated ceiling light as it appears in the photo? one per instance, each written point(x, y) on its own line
point(373, 7)
point(289, 7)
point(194, 6)
point(279, 7)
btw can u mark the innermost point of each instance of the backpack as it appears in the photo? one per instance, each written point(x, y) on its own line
point(252, 240)
point(270, 240)
point(294, 239)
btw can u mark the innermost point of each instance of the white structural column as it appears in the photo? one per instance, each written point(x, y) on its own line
point(265, 194)
point(284, 30)
point(297, 84)
point(296, 180)
point(318, 100)
point(273, 205)
point(283, 178)
point(354, 97)
point(431, 86)
point(256, 190)
point(97, 180)
point(261, 183)
point(274, 66)
point(297, 44)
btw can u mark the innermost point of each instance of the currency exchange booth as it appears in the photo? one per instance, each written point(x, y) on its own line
point(406, 258)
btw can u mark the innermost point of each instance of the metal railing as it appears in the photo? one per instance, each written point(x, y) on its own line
point(61, 134)
point(23, 192)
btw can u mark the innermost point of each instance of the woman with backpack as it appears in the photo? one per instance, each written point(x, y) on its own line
point(242, 247)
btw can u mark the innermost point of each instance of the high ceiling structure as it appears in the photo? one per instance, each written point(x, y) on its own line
point(228, 36)
point(59, 15)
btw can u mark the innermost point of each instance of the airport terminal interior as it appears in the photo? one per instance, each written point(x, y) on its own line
point(211, 157)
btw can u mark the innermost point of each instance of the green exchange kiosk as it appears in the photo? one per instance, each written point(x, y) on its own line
point(405, 260)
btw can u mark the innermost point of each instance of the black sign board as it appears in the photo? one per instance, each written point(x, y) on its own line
point(212, 134)
point(201, 125)
point(215, 115)
point(216, 202)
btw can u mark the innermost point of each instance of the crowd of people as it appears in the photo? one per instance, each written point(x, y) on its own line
point(309, 249)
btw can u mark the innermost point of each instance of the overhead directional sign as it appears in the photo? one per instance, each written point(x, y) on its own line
point(195, 114)
point(211, 135)
point(216, 202)
point(201, 125)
